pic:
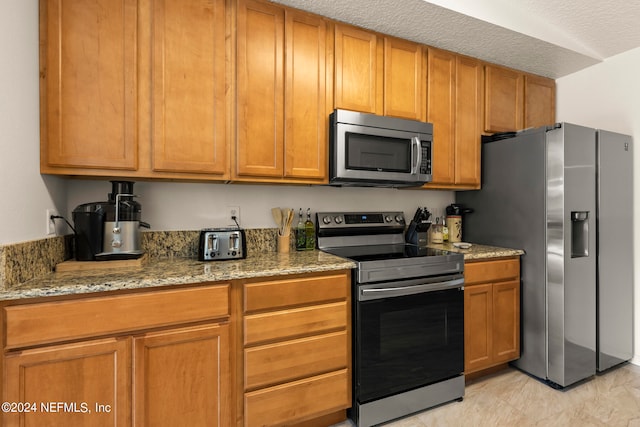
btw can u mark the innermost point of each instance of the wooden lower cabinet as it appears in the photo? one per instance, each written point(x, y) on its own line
point(181, 377)
point(165, 369)
point(82, 384)
point(262, 352)
point(296, 349)
point(297, 400)
point(492, 313)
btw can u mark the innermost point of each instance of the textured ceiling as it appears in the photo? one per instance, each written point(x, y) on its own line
point(546, 37)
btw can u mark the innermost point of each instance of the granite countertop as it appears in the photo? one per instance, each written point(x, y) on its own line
point(179, 271)
point(176, 271)
point(478, 252)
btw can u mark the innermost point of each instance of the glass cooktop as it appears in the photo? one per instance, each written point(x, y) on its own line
point(384, 252)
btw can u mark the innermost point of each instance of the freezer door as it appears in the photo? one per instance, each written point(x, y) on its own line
point(571, 254)
point(615, 249)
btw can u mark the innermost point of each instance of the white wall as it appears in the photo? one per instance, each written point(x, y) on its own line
point(189, 206)
point(607, 96)
point(24, 194)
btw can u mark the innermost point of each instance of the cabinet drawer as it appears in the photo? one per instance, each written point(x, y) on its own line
point(296, 322)
point(292, 292)
point(288, 403)
point(277, 363)
point(43, 323)
point(491, 271)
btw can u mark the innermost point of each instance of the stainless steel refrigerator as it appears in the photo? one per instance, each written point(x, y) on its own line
point(564, 195)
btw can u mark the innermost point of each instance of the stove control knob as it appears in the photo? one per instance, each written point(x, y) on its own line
point(326, 219)
point(399, 218)
point(388, 218)
point(338, 220)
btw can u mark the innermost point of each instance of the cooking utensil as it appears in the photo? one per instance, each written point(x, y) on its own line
point(277, 217)
point(287, 219)
point(283, 218)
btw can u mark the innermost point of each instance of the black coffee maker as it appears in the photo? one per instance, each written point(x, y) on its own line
point(109, 230)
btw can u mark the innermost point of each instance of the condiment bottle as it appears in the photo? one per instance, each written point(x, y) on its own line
point(310, 232)
point(445, 231)
point(436, 232)
point(301, 238)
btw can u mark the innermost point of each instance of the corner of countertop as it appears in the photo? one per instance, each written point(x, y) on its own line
point(478, 251)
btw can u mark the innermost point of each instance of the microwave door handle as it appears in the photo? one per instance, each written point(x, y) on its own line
point(416, 146)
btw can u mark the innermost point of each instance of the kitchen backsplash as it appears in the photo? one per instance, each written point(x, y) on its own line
point(26, 261)
point(184, 244)
point(21, 262)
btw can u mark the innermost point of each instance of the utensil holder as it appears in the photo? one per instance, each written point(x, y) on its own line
point(284, 243)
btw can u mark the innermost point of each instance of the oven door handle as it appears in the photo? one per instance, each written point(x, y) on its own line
point(398, 291)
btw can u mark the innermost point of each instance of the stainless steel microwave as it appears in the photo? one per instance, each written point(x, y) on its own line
point(376, 151)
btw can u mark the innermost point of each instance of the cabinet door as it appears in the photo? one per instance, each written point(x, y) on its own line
point(478, 329)
point(188, 86)
point(441, 76)
point(404, 79)
point(306, 114)
point(358, 73)
point(92, 378)
point(89, 84)
point(503, 99)
point(468, 124)
point(506, 321)
point(260, 61)
point(181, 377)
point(539, 101)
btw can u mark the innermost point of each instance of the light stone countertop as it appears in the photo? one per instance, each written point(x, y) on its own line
point(180, 271)
point(176, 271)
point(478, 252)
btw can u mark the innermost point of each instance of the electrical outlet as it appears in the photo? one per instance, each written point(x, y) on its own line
point(51, 224)
point(233, 211)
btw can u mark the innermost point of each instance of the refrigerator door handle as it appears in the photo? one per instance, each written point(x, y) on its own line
point(579, 234)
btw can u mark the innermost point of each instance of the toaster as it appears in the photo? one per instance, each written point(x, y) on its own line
point(222, 243)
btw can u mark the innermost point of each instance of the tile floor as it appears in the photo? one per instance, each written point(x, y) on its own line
point(512, 398)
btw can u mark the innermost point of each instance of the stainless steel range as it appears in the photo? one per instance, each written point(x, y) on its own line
point(408, 316)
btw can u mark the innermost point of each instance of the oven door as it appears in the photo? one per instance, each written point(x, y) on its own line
point(372, 154)
point(408, 334)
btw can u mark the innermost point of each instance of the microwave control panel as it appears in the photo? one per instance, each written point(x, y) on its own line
point(425, 165)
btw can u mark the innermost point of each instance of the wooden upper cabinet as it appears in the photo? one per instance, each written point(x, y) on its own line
point(88, 105)
point(306, 107)
point(454, 106)
point(503, 99)
point(358, 70)
point(188, 86)
point(404, 79)
point(282, 94)
point(260, 61)
point(539, 101)
point(469, 108)
point(441, 77)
